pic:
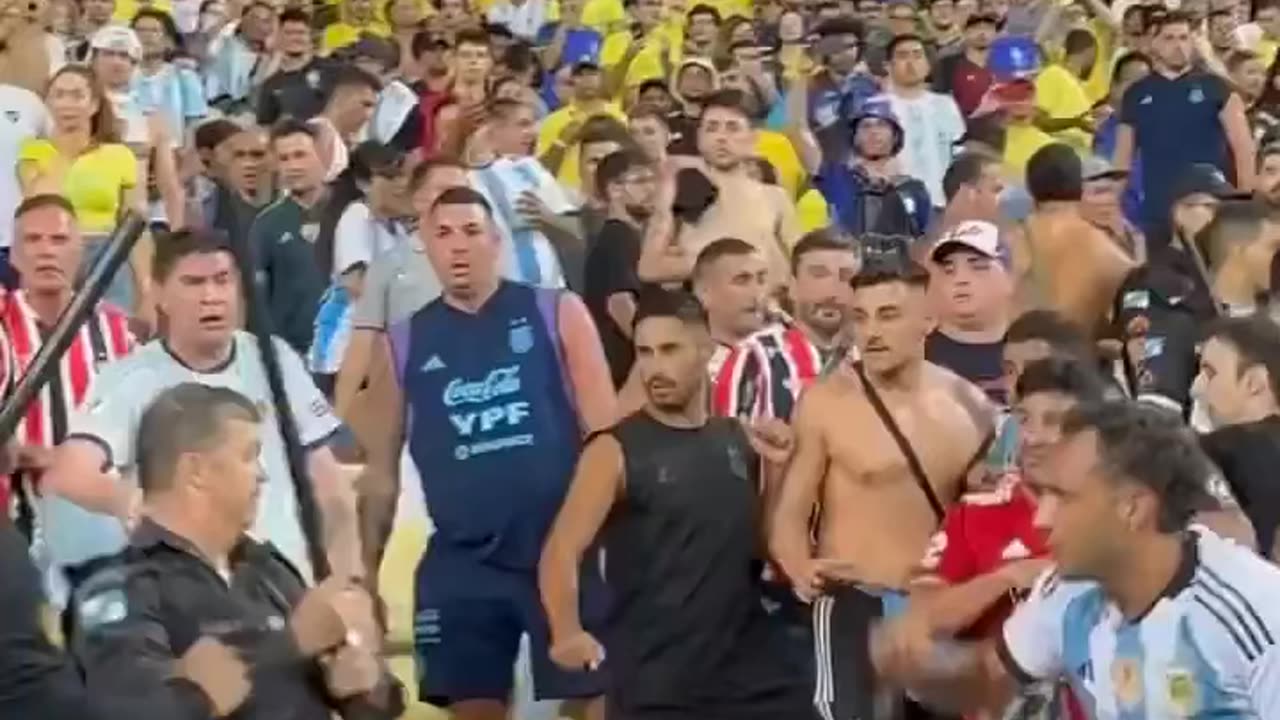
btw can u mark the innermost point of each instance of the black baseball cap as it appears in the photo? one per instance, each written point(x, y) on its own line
point(1204, 179)
point(983, 19)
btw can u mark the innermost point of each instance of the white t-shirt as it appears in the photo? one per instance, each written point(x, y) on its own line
point(524, 20)
point(22, 116)
point(931, 125)
point(359, 238)
point(124, 390)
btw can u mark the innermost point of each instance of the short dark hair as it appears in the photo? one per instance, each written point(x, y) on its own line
point(603, 128)
point(902, 40)
point(350, 76)
point(1158, 21)
point(881, 270)
point(1067, 375)
point(44, 200)
point(1151, 447)
point(839, 26)
point(1237, 222)
point(288, 126)
point(648, 111)
point(189, 417)
point(1256, 339)
point(722, 248)
point(425, 40)
point(422, 171)
point(817, 240)
point(1078, 40)
point(472, 36)
point(295, 15)
point(188, 241)
point(730, 99)
point(1055, 173)
point(1063, 337)
point(617, 164)
point(704, 9)
point(461, 195)
point(965, 169)
point(212, 133)
point(1125, 61)
point(653, 301)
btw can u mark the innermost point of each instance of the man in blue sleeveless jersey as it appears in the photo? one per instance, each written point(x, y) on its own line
point(1146, 615)
point(500, 383)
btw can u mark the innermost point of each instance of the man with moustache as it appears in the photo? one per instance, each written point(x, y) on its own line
point(681, 491)
point(882, 446)
point(765, 374)
point(502, 381)
point(1267, 188)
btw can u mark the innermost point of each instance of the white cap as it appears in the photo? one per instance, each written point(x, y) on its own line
point(117, 38)
point(976, 235)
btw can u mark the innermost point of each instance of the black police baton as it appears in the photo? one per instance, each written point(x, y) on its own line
point(44, 365)
point(258, 321)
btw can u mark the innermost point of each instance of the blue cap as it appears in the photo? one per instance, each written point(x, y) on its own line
point(1013, 57)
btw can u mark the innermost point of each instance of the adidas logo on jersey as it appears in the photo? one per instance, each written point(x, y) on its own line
point(1015, 550)
point(433, 363)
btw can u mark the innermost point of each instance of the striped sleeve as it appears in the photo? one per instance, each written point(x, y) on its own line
point(737, 385)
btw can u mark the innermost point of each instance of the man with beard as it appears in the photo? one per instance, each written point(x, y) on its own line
point(1100, 206)
point(625, 179)
point(675, 497)
point(881, 446)
point(765, 374)
point(1173, 104)
point(964, 74)
point(718, 199)
point(865, 192)
point(973, 292)
point(1267, 189)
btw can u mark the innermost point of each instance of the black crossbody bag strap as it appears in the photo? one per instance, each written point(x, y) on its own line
point(913, 462)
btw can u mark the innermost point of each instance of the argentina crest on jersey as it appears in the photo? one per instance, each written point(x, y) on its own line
point(520, 337)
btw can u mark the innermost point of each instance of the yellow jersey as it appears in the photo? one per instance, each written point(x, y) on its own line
point(94, 182)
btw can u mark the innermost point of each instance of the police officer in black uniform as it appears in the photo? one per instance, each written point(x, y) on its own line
point(37, 682)
point(191, 571)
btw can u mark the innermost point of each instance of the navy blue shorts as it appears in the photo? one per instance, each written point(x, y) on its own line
point(467, 623)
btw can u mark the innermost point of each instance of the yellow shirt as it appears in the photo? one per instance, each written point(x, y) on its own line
point(605, 16)
point(93, 183)
point(126, 9)
point(781, 154)
point(1061, 95)
point(647, 64)
point(342, 34)
point(1020, 143)
point(812, 211)
point(1266, 49)
point(1098, 84)
point(552, 127)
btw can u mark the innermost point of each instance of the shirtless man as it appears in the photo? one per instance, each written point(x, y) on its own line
point(880, 499)
point(1061, 261)
point(743, 207)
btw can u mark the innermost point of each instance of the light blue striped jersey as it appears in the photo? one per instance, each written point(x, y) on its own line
point(1206, 648)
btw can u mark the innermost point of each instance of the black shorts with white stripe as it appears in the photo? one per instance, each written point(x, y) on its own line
point(844, 680)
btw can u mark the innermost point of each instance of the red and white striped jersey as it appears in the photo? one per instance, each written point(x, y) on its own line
point(764, 374)
point(102, 338)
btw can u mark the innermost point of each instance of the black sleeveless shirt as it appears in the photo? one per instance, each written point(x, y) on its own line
point(683, 550)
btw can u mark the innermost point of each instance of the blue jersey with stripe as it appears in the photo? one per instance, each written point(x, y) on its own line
point(1206, 648)
point(490, 422)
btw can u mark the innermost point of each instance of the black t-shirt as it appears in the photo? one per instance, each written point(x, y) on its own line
point(980, 363)
point(1248, 455)
point(300, 94)
point(610, 269)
